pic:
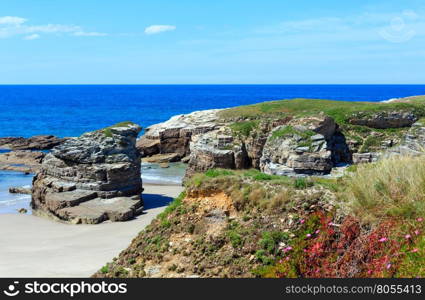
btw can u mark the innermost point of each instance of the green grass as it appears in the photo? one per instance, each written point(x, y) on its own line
point(289, 130)
point(174, 205)
point(212, 173)
point(244, 128)
point(340, 111)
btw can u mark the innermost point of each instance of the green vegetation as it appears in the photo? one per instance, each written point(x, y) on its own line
point(390, 187)
point(174, 205)
point(244, 128)
point(289, 130)
point(340, 111)
point(212, 173)
point(105, 269)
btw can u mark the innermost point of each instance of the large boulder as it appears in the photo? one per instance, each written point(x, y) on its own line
point(92, 178)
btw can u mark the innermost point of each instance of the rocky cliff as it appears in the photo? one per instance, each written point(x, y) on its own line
point(174, 135)
point(301, 136)
point(92, 178)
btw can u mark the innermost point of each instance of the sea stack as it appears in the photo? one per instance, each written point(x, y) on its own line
point(92, 178)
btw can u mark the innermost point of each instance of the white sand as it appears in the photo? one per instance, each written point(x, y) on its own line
point(36, 247)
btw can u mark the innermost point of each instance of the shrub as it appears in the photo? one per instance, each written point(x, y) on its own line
point(302, 183)
point(218, 172)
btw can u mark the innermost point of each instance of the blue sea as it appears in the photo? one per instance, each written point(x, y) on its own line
point(74, 109)
point(70, 110)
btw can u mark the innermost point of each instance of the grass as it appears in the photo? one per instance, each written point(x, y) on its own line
point(340, 111)
point(392, 187)
point(244, 128)
point(108, 130)
point(174, 205)
point(289, 130)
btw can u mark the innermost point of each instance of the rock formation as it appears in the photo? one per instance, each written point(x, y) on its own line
point(283, 139)
point(21, 160)
point(384, 120)
point(38, 142)
point(92, 178)
point(174, 135)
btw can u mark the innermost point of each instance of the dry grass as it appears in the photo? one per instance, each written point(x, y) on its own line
point(392, 187)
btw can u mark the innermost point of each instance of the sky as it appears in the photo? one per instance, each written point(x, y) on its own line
point(212, 42)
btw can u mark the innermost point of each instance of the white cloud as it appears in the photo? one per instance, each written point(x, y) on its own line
point(17, 26)
point(84, 33)
point(7, 20)
point(155, 29)
point(34, 36)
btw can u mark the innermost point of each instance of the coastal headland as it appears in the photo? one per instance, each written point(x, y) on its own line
point(299, 188)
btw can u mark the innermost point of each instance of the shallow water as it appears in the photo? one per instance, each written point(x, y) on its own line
point(10, 203)
point(154, 174)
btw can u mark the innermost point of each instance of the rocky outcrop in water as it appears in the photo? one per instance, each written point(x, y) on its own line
point(92, 178)
point(21, 160)
point(38, 142)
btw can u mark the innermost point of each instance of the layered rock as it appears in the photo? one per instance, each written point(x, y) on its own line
point(384, 120)
point(413, 142)
point(214, 150)
point(302, 148)
point(92, 178)
point(175, 135)
point(38, 142)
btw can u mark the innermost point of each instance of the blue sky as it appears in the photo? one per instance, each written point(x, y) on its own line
point(193, 41)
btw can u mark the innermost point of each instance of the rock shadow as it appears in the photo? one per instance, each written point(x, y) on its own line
point(151, 201)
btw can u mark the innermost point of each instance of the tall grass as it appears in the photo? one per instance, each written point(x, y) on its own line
point(391, 187)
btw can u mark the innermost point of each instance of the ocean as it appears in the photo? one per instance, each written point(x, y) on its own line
point(70, 110)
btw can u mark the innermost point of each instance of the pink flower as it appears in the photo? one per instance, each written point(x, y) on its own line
point(317, 231)
point(417, 232)
point(369, 272)
point(289, 248)
point(414, 250)
point(419, 219)
point(305, 250)
point(287, 258)
point(302, 221)
point(408, 236)
point(382, 240)
point(331, 224)
point(388, 266)
point(308, 235)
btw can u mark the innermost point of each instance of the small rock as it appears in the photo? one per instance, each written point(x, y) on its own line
point(22, 211)
point(164, 165)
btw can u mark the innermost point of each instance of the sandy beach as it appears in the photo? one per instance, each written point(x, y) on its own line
point(38, 247)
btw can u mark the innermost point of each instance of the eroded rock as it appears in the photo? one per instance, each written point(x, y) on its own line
point(92, 178)
point(175, 135)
